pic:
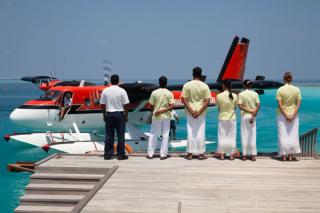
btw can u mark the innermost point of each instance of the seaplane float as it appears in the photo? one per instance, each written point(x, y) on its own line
point(82, 127)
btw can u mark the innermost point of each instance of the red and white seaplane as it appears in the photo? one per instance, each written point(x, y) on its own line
point(82, 127)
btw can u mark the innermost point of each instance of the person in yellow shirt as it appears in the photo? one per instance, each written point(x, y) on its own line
point(227, 125)
point(195, 96)
point(161, 101)
point(249, 105)
point(289, 100)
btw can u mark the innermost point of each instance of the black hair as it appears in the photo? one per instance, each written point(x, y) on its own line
point(288, 77)
point(247, 83)
point(197, 72)
point(163, 81)
point(114, 79)
point(227, 84)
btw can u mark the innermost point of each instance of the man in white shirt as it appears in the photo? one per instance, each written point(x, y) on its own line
point(113, 103)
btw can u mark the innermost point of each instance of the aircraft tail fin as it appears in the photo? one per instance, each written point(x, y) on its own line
point(234, 65)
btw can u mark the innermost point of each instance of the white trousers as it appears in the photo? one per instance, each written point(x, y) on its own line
point(227, 132)
point(248, 135)
point(159, 127)
point(196, 128)
point(288, 136)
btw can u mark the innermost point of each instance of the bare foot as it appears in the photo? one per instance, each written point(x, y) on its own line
point(244, 158)
point(253, 158)
point(202, 157)
point(221, 156)
point(283, 158)
point(231, 157)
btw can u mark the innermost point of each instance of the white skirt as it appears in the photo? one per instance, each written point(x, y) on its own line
point(248, 135)
point(288, 136)
point(227, 132)
point(196, 134)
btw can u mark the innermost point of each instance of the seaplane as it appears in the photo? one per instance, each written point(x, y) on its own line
point(81, 128)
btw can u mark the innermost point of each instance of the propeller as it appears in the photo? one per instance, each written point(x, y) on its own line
point(107, 67)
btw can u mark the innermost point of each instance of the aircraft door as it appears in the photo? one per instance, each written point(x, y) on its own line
point(61, 108)
point(65, 105)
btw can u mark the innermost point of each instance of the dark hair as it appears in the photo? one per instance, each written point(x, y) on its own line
point(287, 77)
point(196, 72)
point(227, 84)
point(247, 83)
point(163, 81)
point(114, 79)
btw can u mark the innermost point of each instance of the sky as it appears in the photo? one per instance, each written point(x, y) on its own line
point(145, 39)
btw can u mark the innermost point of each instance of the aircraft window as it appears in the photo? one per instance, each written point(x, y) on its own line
point(50, 95)
point(87, 102)
point(96, 101)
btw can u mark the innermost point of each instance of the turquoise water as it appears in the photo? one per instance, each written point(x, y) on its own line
point(14, 93)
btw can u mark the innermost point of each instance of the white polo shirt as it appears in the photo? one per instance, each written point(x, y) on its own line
point(114, 97)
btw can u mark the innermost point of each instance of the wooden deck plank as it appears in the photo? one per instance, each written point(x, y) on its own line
point(141, 185)
point(43, 209)
point(66, 176)
point(45, 186)
point(51, 198)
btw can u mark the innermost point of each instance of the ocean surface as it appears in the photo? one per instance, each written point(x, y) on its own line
point(13, 93)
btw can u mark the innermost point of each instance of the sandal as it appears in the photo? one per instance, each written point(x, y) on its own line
point(189, 156)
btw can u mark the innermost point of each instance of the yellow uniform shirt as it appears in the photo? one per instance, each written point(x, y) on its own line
point(248, 99)
point(226, 106)
point(289, 95)
point(160, 99)
point(196, 92)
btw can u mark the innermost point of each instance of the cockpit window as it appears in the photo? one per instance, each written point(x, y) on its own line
point(50, 95)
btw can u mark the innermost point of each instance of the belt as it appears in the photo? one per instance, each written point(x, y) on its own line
point(116, 112)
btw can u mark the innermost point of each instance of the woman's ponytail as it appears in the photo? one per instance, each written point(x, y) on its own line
point(230, 94)
point(227, 86)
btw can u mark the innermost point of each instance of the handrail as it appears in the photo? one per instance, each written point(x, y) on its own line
point(308, 144)
point(310, 132)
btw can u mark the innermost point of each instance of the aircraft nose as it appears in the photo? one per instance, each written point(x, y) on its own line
point(31, 118)
point(17, 116)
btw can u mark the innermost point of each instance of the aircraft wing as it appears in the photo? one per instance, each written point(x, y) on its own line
point(257, 84)
point(37, 79)
point(138, 91)
point(142, 91)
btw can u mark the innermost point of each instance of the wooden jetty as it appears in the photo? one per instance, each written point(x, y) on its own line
point(79, 183)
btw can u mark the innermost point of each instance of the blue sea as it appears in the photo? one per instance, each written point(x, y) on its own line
point(13, 93)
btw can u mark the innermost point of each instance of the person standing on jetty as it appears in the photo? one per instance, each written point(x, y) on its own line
point(196, 96)
point(161, 101)
point(249, 105)
point(113, 103)
point(227, 125)
point(173, 124)
point(289, 100)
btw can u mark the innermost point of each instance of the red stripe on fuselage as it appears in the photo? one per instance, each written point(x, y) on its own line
point(80, 94)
